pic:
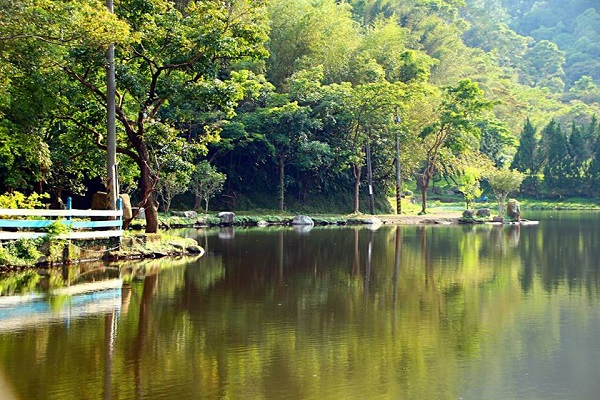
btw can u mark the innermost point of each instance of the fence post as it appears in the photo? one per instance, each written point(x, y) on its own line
point(120, 208)
point(69, 206)
point(66, 247)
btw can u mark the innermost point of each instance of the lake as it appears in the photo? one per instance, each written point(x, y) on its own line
point(400, 312)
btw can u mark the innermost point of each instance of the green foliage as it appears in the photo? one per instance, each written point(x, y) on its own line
point(55, 229)
point(20, 200)
point(527, 158)
point(20, 252)
point(469, 186)
point(503, 182)
point(195, 81)
point(206, 182)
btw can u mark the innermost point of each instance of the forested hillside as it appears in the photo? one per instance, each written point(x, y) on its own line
point(285, 104)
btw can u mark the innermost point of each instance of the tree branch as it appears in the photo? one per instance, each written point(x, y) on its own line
point(98, 136)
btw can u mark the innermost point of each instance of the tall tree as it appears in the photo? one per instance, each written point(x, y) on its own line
point(454, 130)
point(558, 160)
point(527, 158)
point(172, 54)
point(372, 109)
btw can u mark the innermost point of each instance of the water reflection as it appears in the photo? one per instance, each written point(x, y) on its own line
point(400, 312)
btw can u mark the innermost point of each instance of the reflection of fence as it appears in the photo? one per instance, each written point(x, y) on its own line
point(31, 224)
point(22, 312)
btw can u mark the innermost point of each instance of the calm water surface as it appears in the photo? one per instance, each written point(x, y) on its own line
point(436, 312)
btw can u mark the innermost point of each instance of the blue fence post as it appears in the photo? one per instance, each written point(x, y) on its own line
point(120, 208)
point(69, 206)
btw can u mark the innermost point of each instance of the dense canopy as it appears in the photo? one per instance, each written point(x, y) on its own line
point(298, 104)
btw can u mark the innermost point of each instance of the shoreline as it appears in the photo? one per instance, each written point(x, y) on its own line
point(446, 217)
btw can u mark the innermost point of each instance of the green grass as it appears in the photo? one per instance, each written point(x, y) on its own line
point(575, 203)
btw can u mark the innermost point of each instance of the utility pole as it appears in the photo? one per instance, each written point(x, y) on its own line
point(370, 176)
point(111, 151)
point(398, 169)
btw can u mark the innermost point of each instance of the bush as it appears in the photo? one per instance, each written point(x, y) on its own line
point(20, 252)
point(19, 200)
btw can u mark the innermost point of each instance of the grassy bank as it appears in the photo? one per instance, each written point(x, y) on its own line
point(25, 253)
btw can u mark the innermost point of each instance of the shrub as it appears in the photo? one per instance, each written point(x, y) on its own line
point(19, 200)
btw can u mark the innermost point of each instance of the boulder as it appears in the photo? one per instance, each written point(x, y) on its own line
point(483, 213)
point(227, 217)
point(185, 214)
point(127, 211)
point(513, 211)
point(100, 201)
point(373, 221)
point(190, 214)
point(141, 214)
point(262, 223)
point(469, 214)
point(302, 220)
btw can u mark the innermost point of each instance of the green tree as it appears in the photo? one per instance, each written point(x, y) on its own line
point(527, 157)
point(497, 142)
point(173, 55)
point(503, 182)
point(305, 34)
point(469, 186)
point(558, 160)
point(545, 66)
point(284, 127)
point(453, 130)
point(372, 108)
point(206, 183)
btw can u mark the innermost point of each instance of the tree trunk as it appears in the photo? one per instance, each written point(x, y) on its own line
point(357, 175)
point(281, 184)
point(424, 186)
point(196, 201)
point(147, 187)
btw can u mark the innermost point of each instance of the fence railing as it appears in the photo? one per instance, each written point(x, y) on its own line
point(31, 228)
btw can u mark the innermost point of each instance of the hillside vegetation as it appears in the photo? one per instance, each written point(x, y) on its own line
point(301, 104)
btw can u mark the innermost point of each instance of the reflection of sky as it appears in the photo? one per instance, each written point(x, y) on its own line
point(553, 355)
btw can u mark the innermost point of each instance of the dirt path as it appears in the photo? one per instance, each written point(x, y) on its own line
point(442, 217)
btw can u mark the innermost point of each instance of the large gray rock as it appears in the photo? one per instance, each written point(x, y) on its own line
point(483, 212)
point(100, 201)
point(185, 214)
point(141, 213)
point(302, 220)
point(513, 211)
point(227, 217)
point(469, 214)
point(373, 221)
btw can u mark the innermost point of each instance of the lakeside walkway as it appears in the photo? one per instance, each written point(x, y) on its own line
point(414, 219)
